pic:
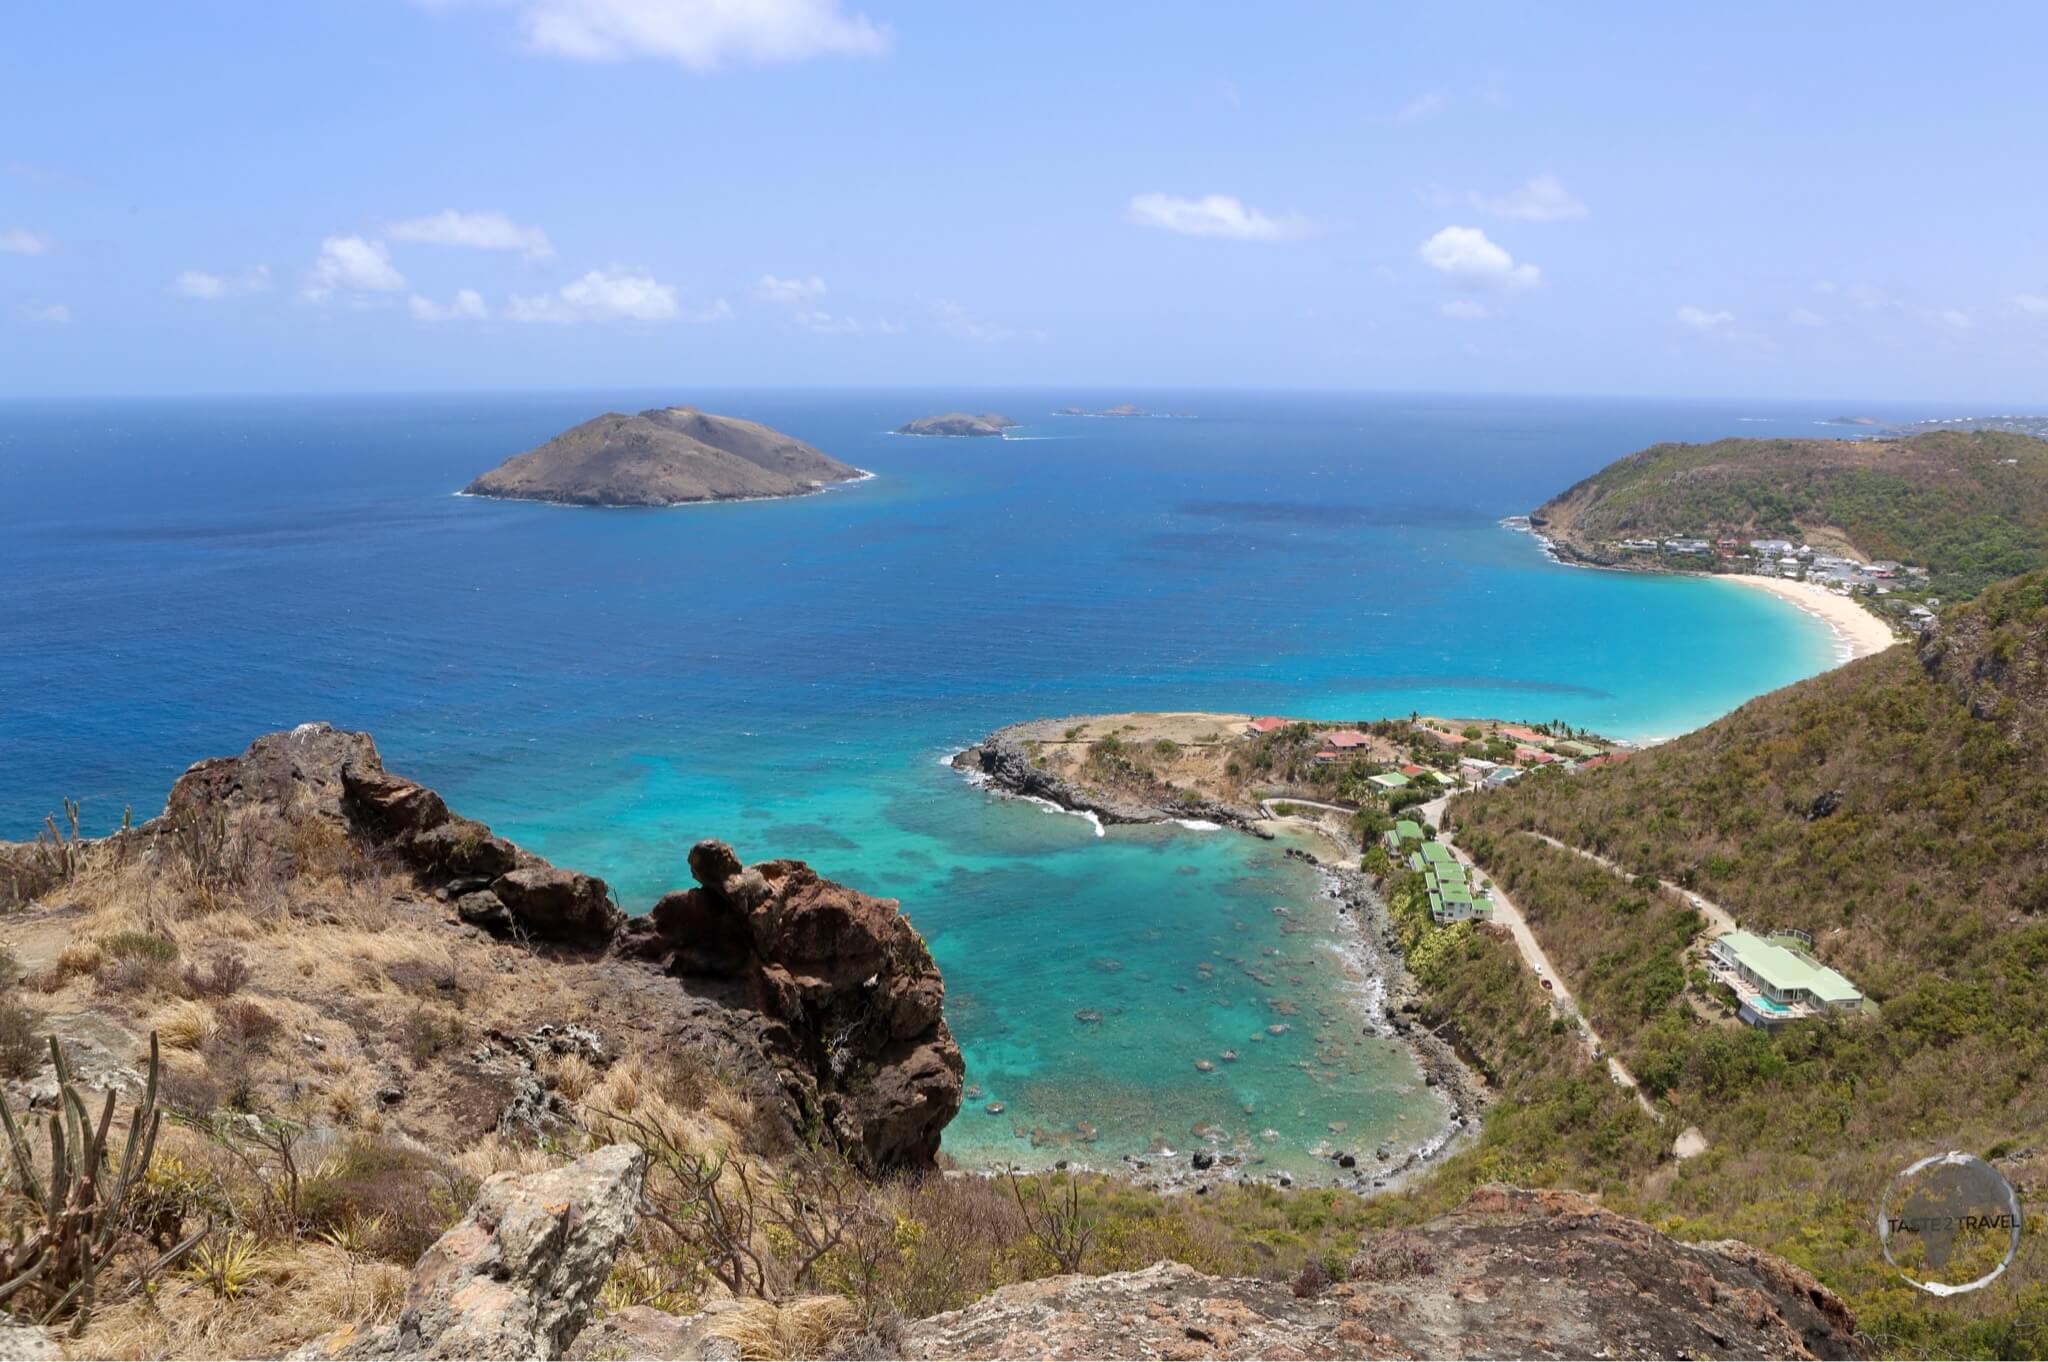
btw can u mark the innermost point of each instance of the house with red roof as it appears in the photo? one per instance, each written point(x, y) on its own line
point(1265, 723)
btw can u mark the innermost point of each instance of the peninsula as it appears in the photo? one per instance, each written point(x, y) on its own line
point(666, 456)
point(958, 424)
point(1942, 513)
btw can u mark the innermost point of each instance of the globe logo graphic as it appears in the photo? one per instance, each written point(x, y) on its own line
point(1949, 1223)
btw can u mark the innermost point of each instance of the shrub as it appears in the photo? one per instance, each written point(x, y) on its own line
point(222, 975)
point(21, 1054)
point(156, 950)
point(386, 1200)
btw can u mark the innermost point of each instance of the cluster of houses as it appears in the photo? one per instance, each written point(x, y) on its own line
point(1777, 979)
point(1783, 558)
point(1451, 897)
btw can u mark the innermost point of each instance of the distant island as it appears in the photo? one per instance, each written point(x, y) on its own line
point(958, 424)
point(1121, 409)
point(667, 456)
point(1944, 512)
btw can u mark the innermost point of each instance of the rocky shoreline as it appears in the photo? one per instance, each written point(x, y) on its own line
point(1000, 763)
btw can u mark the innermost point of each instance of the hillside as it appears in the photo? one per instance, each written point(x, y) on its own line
point(662, 457)
point(1970, 505)
point(414, 1076)
point(1895, 809)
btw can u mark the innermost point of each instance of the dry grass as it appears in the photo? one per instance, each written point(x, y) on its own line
point(301, 1291)
point(807, 1327)
point(185, 1025)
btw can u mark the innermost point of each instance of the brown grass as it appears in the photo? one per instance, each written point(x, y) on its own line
point(806, 1327)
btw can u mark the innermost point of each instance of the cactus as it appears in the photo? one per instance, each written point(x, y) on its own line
point(51, 1264)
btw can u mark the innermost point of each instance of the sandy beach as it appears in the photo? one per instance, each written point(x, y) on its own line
point(1858, 633)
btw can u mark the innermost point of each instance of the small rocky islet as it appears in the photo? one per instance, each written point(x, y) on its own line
point(959, 425)
point(665, 456)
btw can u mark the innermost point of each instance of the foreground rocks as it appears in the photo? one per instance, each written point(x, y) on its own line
point(518, 1275)
point(1508, 1274)
point(851, 988)
point(776, 971)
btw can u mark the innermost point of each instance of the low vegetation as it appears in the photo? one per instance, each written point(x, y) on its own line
point(1970, 505)
point(1896, 810)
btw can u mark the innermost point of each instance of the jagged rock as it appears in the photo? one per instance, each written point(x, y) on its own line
point(851, 987)
point(518, 1275)
point(560, 905)
point(482, 908)
point(1823, 804)
point(1508, 1274)
point(27, 1343)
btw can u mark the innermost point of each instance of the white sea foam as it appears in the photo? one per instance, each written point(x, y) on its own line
point(1198, 824)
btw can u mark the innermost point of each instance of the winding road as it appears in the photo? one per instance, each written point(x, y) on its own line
point(1507, 915)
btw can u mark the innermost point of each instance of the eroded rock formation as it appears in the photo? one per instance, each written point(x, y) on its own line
point(851, 986)
point(832, 989)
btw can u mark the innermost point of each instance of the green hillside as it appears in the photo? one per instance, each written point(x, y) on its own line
point(1971, 505)
point(1897, 810)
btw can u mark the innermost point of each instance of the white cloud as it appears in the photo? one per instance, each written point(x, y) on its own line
point(1699, 319)
point(21, 241)
point(1955, 319)
point(1464, 310)
point(349, 264)
point(467, 306)
point(829, 324)
point(1216, 215)
point(1423, 106)
point(45, 312)
point(955, 320)
point(1801, 316)
point(1465, 254)
point(699, 35)
point(617, 294)
point(207, 287)
point(789, 292)
point(1542, 199)
point(477, 231)
point(2031, 304)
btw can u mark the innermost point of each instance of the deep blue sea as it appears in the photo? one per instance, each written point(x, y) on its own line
point(607, 686)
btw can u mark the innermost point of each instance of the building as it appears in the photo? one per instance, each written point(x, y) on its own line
point(1778, 980)
point(1403, 832)
point(1388, 781)
point(1500, 775)
point(1774, 547)
point(1572, 747)
point(1264, 724)
point(1687, 546)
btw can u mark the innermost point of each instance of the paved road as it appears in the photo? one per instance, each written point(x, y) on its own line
point(1507, 915)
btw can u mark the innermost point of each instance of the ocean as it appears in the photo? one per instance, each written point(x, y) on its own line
point(608, 686)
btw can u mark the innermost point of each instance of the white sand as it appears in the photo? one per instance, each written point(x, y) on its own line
point(1858, 633)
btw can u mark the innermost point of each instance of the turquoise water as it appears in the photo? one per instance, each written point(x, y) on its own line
point(608, 686)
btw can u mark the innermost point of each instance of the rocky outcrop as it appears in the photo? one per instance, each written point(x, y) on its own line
point(1508, 1274)
point(517, 1276)
point(1992, 653)
point(824, 993)
point(851, 990)
point(1002, 762)
point(27, 1343)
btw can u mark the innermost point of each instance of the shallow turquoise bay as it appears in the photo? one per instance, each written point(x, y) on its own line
point(606, 687)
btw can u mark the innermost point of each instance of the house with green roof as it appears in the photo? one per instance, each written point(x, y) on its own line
point(1787, 981)
point(1388, 781)
point(1437, 853)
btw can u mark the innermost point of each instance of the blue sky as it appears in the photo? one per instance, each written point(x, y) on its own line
point(1748, 201)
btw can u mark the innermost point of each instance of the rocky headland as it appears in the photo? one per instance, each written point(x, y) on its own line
point(958, 424)
point(666, 456)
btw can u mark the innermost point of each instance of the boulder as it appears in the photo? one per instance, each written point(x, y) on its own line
point(559, 905)
point(27, 1343)
point(1510, 1273)
point(517, 1276)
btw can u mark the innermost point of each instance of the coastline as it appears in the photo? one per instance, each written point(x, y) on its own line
point(816, 489)
point(1857, 632)
point(1384, 995)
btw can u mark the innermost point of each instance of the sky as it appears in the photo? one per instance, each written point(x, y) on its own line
point(1820, 200)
